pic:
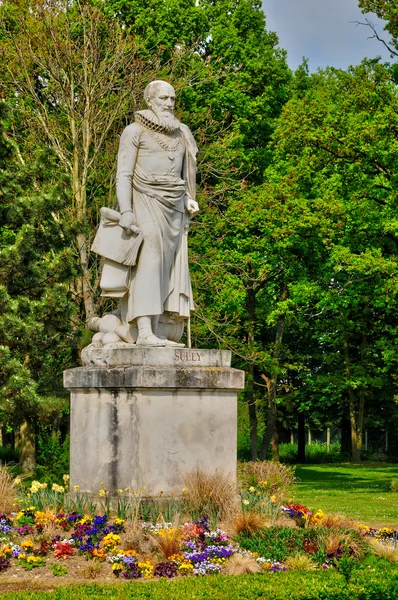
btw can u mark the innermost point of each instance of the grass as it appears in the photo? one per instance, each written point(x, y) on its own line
point(364, 584)
point(362, 492)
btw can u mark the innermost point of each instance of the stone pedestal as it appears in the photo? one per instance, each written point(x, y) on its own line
point(142, 424)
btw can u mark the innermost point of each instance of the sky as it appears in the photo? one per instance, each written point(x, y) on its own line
point(323, 31)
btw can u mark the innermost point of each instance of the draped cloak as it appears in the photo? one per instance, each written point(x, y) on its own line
point(157, 185)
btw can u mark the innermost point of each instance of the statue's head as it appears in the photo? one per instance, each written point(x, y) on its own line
point(160, 97)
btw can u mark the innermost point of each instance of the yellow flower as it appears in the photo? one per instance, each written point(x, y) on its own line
point(117, 567)
point(58, 488)
point(273, 498)
point(246, 502)
point(17, 481)
point(120, 491)
point(146, 569)
point(27, 545)
point(76, 488)
point(102, 493)
point(127, 490)
point(110, 541)
point(185, 567)
point(119, 521)
point(102, 482)
point(251, 489)
point(66, 479)
point(185, 490)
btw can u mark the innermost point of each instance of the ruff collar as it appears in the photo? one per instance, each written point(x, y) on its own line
point(152, 121)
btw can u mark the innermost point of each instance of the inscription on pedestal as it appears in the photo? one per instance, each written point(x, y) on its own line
point(187, 356)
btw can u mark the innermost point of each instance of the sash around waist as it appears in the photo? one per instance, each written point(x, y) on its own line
point(169, 192)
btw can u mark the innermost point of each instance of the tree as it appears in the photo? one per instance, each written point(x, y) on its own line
point(388, 11)
point(78, 76)
point(37, 310)
point(337, 148)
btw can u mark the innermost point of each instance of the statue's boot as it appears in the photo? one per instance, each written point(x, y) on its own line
point(151, 341)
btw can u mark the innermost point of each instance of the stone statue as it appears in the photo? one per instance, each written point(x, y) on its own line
point(145, 245)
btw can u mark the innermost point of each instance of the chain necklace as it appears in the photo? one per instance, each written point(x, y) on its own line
point(170, 149)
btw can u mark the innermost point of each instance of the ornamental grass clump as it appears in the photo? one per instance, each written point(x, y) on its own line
point(136, 537)
point(212, 494)
point(240, 564)
point(168, 541)
point(386, 550)
point(248, 522)
point(299, 562)
point(8, 490)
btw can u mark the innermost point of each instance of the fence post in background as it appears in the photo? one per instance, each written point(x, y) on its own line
point(328, 439)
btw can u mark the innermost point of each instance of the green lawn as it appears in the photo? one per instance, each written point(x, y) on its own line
point(362, 492)
point(364, 585)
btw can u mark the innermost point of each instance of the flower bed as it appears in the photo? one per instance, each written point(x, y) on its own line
point(202, 550)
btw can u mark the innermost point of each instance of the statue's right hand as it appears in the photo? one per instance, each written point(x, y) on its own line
point(127, 221)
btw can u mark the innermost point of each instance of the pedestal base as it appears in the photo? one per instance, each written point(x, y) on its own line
point(142, 426)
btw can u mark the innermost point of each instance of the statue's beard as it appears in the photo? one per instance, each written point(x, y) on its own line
point(167, 120)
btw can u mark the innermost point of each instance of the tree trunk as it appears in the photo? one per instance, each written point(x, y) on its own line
point(345, 434)
point(27, 447)
point(356, 417)
point(301, 438)
point(271, 433)
point(251, 403)
point(355, 440)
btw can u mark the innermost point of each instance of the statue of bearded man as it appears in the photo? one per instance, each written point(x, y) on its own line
point(156, 187)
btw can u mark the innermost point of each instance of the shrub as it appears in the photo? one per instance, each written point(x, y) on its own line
point(274, 543)
point(274, 477)
point(52, 456)
point(8, 455)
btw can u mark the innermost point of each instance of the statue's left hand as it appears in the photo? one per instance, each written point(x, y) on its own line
point(191, 206)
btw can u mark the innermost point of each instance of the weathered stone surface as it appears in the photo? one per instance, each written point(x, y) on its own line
point(139, 438)
point(143, 425)
point(211, 378)
point(134, 355)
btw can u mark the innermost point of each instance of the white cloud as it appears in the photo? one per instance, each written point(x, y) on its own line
point(324, 31)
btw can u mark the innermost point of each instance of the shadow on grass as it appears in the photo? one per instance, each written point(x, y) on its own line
point(350, 478)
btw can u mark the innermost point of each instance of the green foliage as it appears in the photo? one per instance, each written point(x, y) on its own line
point(8, 455)
point(36, 339)
point(277, 543)
point(58, 570)
point(315, 453)
point(52, 455)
